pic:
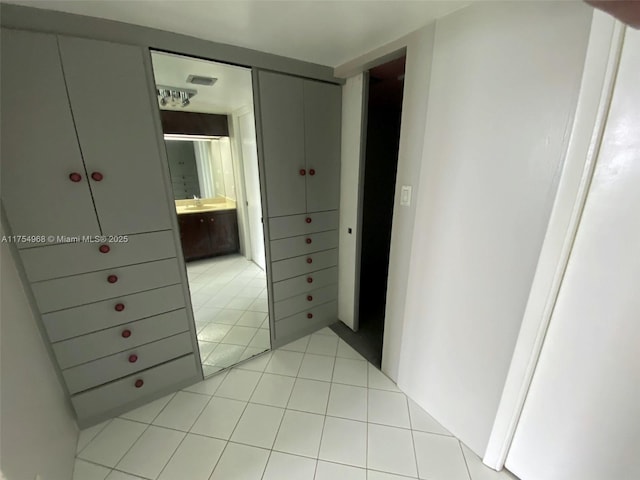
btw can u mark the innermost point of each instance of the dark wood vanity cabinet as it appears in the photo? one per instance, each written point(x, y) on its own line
point(209, 234)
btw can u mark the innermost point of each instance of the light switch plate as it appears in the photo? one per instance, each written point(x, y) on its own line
point(405, 195)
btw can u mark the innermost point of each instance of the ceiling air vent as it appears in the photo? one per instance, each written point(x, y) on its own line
point(199, 80)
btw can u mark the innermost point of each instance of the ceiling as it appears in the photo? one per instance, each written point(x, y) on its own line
point(324, 32)
point(230, 92)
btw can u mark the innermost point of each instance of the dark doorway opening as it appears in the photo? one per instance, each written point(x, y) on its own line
point(386, 86)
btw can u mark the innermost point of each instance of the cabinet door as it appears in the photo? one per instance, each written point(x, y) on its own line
point(39, 144)
point(322, 124)
point(282, 121)
point(223, 229)
point(109, 95)
point(194, 235)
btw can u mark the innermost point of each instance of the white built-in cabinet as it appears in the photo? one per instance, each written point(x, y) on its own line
point(81, 157)
point(300, 122)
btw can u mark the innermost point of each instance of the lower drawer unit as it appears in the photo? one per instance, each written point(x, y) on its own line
point(301, 284)
point(117, 339)
point(103, 370)
point(101, 401)
point(303, 245)
point(76, 321)
point(305, 301)
point(92, 287)
point(307, 321)
point(296, 266)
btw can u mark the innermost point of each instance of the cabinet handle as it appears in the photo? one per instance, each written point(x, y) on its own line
point(202, 220)
point(75, 177)
point(312, 172)
point(309, 298)
point(309, 315)
point(309, 280)
point(119, 307)
point(308, 219)
point(139, 383)
point(126, 333)
point(112, 278)
point(308, 240)
point(309, 260)
point(133, 358)
point(104, 249)
point(212, 219)
point(97, 176)
point(303, 172)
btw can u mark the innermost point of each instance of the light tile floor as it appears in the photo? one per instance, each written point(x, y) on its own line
point(312, 410)
point(229, 297)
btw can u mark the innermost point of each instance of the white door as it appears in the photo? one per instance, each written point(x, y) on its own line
point(252, 187)
point(581, 418)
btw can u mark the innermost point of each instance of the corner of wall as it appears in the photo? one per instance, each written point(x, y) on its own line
point(39, 433)
point(413, 123)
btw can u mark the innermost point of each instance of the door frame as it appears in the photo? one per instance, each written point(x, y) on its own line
point(600, 68)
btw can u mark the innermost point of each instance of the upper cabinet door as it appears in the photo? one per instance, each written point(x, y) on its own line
point(322, 127)
point(39, 146)
point(282, 120)
point(113, 112)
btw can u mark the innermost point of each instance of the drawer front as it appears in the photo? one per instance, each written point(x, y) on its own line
point(303, 245)
point(324, 314)
point(106, 342)
point(292, 225)
point(86, 288)
point(63, 260)
point(97, 316)
point(92, 374)
point(113, 395)
point(293, 267)
point(298, 285)
point(305, 301)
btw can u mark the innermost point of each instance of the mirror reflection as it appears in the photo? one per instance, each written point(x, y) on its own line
point(211, 150)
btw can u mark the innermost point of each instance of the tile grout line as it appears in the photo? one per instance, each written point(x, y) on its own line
point(188, 432)
point(281, 420)
point(238, 422)
point(464, 457)
point(413, 440)
point(106, 424)
point(326, 409)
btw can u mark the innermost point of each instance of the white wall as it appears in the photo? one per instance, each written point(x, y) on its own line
point(38, 433)
point(352, 110)
point(418, 47)
point(585, 394)
point(503, 88)
point(414, 113)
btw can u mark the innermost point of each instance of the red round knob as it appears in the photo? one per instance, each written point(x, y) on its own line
point(312, 172)
point(126, 333)
point(309, 260)
point(133, 358)
point(139, 383)
point(104, 249)
point(309, 298)
point(97, 176)
point(112, 278)
point(303, 172)
point(308, 240)
point(309, 315)
point(308, 219)
point(309, 280)
point(119, 307)
point(75, 177)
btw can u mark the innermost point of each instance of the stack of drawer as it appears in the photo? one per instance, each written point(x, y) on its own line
point(304, 258)
point(116, 318)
